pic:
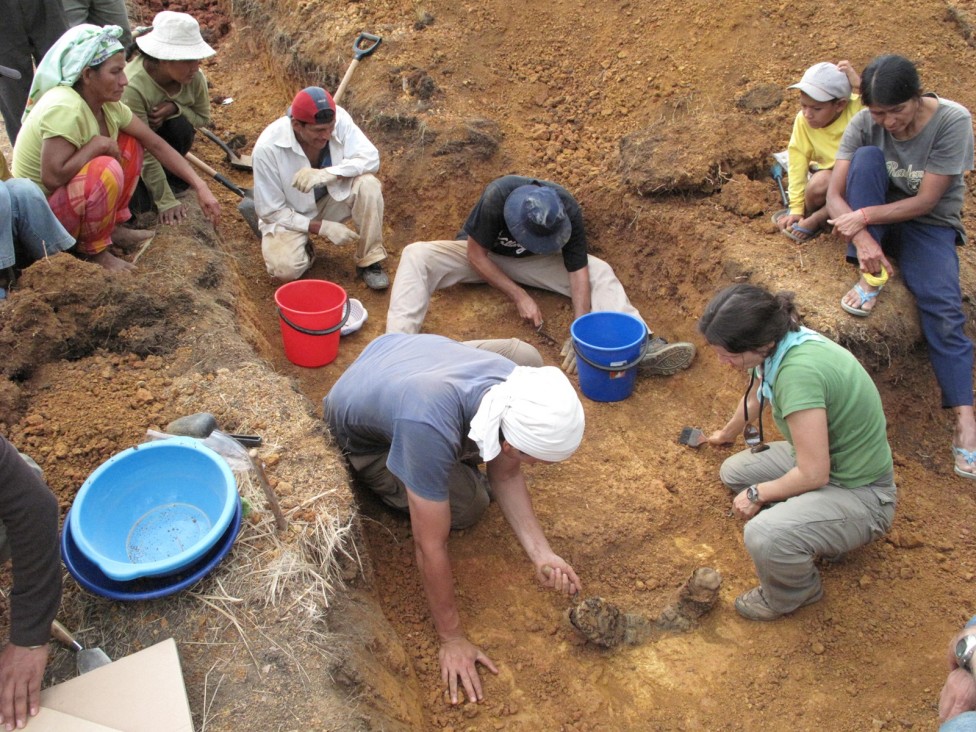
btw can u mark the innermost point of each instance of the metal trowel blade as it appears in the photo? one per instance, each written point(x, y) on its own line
point(91, 658)
point(691, 436)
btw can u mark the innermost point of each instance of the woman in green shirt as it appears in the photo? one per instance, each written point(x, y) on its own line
point(168, 92)
point(829, 486)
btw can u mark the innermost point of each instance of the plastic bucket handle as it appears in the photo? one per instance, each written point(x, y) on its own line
point(306, 331)
point(624, 367)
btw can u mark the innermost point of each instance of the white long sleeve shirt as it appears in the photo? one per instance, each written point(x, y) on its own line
point(277, 156)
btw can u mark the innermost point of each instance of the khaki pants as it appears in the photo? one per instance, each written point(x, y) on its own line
point(428, 266)
point(286, 255)
point(785, 539)
point(467, 486)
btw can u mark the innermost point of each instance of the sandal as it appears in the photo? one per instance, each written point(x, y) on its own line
point(859, 311)
point(808, 234)
point(969, 456)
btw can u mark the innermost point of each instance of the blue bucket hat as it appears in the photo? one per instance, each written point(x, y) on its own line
point(536, 218)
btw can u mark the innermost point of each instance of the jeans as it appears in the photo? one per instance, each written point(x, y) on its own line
point(965, 722)
point(29, 230)
point(929, 264)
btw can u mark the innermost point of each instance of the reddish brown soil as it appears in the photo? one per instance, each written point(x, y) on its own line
point(460, 93)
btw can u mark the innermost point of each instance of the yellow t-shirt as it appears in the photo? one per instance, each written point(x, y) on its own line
point(4, 170)
point(62, 112)
point(810, 147)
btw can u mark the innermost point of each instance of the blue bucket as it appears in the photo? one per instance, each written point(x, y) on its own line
point(608, 348)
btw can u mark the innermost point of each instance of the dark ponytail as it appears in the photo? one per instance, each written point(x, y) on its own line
point(748, 318)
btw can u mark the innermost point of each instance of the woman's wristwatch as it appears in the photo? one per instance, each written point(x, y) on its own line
point(752, 493)
point(965, 647)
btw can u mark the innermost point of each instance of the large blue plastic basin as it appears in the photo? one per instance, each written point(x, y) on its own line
point(94, 580)
point(153, 509)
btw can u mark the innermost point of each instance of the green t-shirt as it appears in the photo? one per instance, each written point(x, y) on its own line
point(142, 94)
point(823, 375)
point(62, 112)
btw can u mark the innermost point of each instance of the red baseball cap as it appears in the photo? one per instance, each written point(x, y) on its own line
point(313, 105)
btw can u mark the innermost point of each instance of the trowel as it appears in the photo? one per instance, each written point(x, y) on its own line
point(88, 659)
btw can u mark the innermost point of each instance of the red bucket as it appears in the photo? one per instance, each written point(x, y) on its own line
point(311, 313)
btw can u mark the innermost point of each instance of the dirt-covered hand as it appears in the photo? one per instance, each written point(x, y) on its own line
point(958, 694)
point(555, 573)
point(528, 309)
point(459, 659)
point(568, 354)
point(743, 507)
point(308, 178)
point(719, 438)
point(21, 671)
point(337, 233)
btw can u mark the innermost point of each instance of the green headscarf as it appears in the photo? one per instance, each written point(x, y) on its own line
point(80, 47)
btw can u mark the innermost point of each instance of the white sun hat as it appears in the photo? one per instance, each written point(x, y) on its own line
point(174, 37)
point(357, 316)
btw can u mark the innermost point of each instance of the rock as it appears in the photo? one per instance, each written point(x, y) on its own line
point(760, 98)
point(200, 425)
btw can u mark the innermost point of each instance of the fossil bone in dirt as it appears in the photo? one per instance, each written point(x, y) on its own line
point(604, 624)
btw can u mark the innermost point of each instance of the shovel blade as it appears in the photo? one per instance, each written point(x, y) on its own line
point(250, 214)
point(91, 658)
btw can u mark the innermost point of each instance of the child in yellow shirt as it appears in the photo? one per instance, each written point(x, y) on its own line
point(828, 101)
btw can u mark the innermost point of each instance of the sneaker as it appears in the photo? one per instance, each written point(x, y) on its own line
point(664, 359)
point(374, 276)
point(752, 605)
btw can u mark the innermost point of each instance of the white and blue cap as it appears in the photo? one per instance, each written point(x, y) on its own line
point(537, 219)
point(824, 82)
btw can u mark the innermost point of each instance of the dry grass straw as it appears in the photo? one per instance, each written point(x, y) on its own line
point(266, 605)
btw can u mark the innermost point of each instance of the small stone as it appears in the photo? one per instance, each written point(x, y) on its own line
point(818, 648)
point(865, 581)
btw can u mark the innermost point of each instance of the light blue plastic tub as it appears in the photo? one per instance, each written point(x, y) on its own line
point(153, 509)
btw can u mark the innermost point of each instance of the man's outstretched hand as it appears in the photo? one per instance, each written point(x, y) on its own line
point(459, 660)
point(21, 672)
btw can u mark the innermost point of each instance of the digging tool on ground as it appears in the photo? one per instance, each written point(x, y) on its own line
point(246, 206)
point(692, 437)
point(777, 172)
point(88, 659)
point(240, 162)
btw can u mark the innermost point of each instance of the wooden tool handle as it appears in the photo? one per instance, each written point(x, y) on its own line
point(62, 635)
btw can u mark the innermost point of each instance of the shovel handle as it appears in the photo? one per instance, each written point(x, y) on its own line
point(215, 175)
point(362, 51)
point(63, 635)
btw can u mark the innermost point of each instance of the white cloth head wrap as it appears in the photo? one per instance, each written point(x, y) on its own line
point(537, 409)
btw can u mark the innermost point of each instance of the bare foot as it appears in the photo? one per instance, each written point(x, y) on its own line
point(130, 239)
point(173, 215)
point(856, 301)
point(110, 262)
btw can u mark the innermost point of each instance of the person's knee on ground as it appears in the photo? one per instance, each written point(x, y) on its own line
point(469, 495)
point(283, 260)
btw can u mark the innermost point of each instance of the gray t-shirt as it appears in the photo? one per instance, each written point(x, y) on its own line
point(944, 147)
point(414, 395)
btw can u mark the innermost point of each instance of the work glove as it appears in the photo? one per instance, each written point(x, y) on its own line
point(569, 356)
point(337, 233)
point(308, 178)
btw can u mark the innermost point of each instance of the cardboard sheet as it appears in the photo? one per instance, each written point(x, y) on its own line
point(141, 692)
point(51, 720)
